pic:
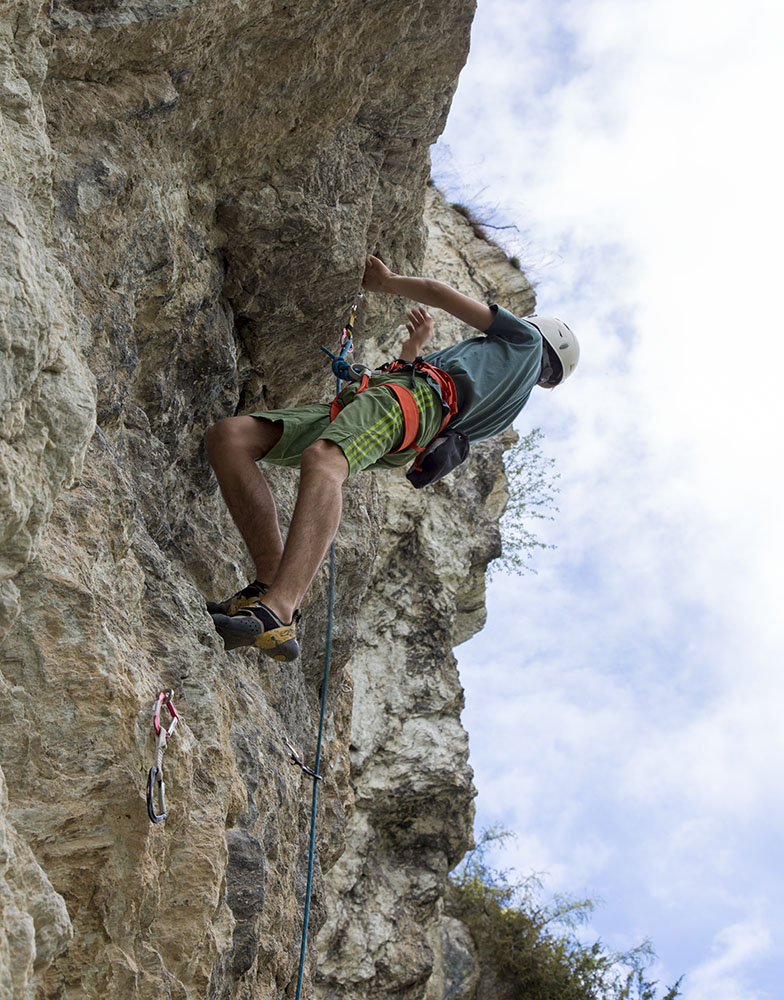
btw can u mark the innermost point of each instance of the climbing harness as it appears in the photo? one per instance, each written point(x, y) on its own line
point(155, 776)
point(436, 378)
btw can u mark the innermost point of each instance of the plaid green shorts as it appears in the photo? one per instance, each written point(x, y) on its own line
point(369, 426)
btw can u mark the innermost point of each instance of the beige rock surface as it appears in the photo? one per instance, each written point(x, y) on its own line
point(187, 194)
point(47, 411)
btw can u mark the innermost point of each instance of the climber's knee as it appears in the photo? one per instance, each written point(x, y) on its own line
point(251, 436)
point(326, 459)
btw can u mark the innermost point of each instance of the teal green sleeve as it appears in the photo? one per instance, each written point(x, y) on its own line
point(507, 326)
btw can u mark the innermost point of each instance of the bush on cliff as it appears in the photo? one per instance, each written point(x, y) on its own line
point(532, 490)
point(528, 949)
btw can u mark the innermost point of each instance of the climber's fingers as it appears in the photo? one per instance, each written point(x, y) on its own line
point(419, 320)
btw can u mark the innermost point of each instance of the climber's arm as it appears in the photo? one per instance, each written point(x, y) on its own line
point(428, 291)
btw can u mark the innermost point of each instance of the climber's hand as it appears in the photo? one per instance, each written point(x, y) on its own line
point(376, 275)
point(420, 331)
point(420, 325)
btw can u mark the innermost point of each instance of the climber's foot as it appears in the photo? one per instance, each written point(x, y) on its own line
point(242, 599)
point(257, 626)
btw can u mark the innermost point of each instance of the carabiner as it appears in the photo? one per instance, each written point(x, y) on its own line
point(165, 696)
point(156, 817)
point(156, 772)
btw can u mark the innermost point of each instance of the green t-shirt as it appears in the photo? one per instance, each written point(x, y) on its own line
point(493, 374)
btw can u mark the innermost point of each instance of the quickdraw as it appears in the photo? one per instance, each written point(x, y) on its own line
point(295, 758)
point(342, 370)
point(155, 776)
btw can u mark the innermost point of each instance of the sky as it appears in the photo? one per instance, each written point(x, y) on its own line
point(624, 702)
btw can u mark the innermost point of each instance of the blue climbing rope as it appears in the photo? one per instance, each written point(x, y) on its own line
point(340, 373)
point(316, 776)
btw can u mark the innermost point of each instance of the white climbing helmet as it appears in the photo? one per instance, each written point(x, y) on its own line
point(564, 345)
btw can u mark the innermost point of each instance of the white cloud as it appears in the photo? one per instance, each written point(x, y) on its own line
point(719, 977)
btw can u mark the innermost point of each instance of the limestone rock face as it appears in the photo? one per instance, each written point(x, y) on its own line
point(456, 971)
point(34, 921)
point(47, 410)
point(188, 191)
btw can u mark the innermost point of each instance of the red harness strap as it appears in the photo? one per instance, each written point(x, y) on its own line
point(408, 405)
point(407, 400)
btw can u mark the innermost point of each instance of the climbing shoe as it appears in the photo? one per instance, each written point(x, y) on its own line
point(257, 626)
point(242, 599)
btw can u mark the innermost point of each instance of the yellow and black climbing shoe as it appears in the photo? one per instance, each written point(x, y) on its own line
point(242, 599)
point(257, 626)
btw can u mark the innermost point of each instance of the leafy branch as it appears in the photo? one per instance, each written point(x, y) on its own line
point(532, 492)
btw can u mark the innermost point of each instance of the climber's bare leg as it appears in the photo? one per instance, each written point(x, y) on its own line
point(313, 526)
point(234, 445)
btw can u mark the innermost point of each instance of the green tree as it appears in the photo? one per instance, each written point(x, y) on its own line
point(529, 948)
point(532, 491)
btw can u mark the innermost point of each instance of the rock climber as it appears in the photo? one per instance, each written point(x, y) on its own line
point(492, 375)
